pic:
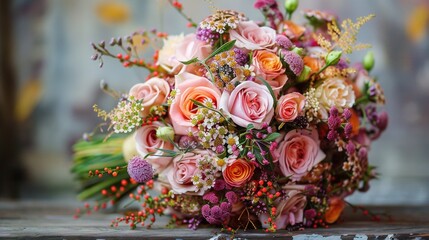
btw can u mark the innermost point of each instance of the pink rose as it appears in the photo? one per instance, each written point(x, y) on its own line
point(252, 37)
point(191, 87)
point(153, 92)
point(248, 103)
point(147, 142)
point(290, 106)
point(191, 48)
point(299, 152)
point(290, 210)
point(181, 171)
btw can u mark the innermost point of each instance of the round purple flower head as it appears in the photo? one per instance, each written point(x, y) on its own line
point(140, 170)
point(295, 62)
point(284, 42)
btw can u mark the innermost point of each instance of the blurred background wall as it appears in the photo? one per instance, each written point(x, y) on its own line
point(49, 84)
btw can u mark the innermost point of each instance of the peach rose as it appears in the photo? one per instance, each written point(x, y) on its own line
point(299, 152)
point(191, 87)
point(267, 64)
point(153, 92)
point(238, 172)
point(181, 171)
point(336, 207)
point(250, 36)
point(289, 106)
point(248, 103)
point(147, 142)
point(289, 210)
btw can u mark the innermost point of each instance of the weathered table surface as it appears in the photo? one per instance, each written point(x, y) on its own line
point(51, 220)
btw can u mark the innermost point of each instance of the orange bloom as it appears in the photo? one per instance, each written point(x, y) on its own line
point(292, 30)
point(336, 206)
point(238, 172)
point(354, 120)
point(313, 63)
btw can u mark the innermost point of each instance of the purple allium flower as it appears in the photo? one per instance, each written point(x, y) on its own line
point(333, 111)
point(216, 212)
point(205, 210)
point(284, 42)
point(241, 56)
point(219, 185)
point(382, 121)
point(310, 214)
point(225, 207)
point(332, 135)
point(347, 114)
point(363, 153)
point(211, 197)
point(207, 35)
point(295, 62)
point(334, 122)
point(231, 197)
point(348, 129)
point(350, 148)
point(140, 170)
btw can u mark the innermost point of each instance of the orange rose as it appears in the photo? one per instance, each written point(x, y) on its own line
point(238, 172)
point(354, 120)
point(267, 64)
point(336, 206)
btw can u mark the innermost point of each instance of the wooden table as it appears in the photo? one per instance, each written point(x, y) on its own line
point(53, 220)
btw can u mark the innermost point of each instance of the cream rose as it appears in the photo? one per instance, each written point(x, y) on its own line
point(248, 103)
point(290, 106)
point(167, 54)
point(334, 92)
point(191, 87)
point(147, 142)
point(299, 152)
point(153, 92)
point(250, 36)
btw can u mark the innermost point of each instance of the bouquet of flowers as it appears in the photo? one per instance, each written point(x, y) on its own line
point(239, 124)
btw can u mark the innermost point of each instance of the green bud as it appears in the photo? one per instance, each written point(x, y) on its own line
point(291, 6)
point(304, 74)
point(298, 51)
point(333, 58)
point(368, 61)
point(165, 133)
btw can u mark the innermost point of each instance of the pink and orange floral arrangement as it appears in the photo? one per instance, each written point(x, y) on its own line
point(239, 123)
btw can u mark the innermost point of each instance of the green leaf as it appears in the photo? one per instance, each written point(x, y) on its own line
point(272, 136)
point(225, 47)
point(271, 91)
point(193, 60)
point(250, 126)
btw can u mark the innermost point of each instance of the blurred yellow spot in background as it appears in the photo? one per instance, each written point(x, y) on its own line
point(113, 12)
point(28, 97)
point(417, 23)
